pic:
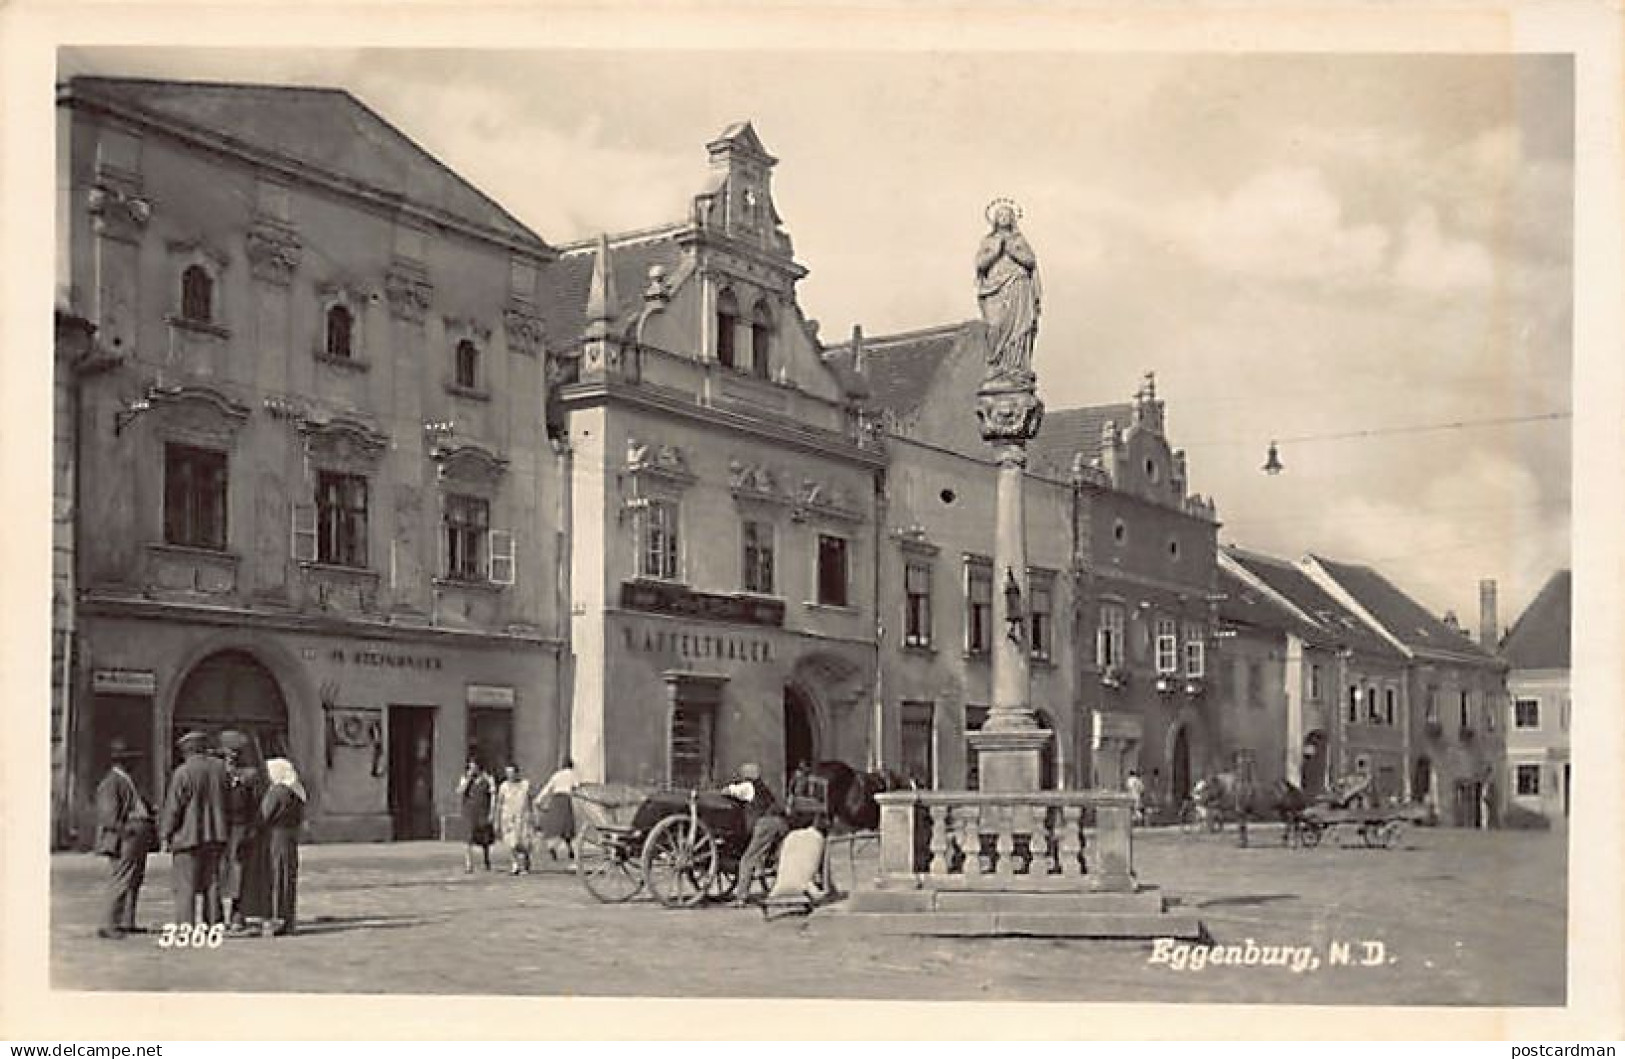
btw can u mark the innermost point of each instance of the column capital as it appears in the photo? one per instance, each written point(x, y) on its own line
point(1009, 417)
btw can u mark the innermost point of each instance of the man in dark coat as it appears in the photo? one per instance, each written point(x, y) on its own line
point(124, 835)
point(194, 827)
point(244, 882)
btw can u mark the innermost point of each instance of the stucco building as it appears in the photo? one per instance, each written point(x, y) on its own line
point(1536, 650)
point(313, 494)
point(722, 498)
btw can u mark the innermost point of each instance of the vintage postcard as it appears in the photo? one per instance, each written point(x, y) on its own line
point(1081, 507)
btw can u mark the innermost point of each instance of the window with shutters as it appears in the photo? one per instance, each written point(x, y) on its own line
point(658, 544)
point(1040, 617)
point(1109, 637)
point(194, 497)
point(341, 519)
point(467, 521)
point(978, 607)
point(757, 540)
point(1195, 651)
point(917, 604)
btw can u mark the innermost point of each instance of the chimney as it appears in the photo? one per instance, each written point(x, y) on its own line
point(1489, 629)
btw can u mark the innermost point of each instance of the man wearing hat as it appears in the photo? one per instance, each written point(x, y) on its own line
point(124, 835)
point(193, 825)
point(767, 823)
point(244, 883)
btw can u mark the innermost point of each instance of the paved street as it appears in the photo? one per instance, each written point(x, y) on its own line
point(1464, 918)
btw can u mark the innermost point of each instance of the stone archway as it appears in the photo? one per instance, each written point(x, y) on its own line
point(824, 699)
point(803, 738)
point(232, 689)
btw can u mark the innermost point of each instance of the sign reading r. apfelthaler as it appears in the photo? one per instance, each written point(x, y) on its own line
point(716, 646)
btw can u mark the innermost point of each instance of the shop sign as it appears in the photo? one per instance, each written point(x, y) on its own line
point(123, 682)
point(490, 695)
point(679, 601)
point(383, 659)
point(715, 647)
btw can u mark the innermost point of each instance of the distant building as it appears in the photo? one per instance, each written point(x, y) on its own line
point(1536, 649)
point(312, 498)
point(1448, 711)
point(1344, 685)
point(722, 498)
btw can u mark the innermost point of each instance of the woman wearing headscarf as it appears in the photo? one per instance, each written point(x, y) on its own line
point(282, 811)
point(514, 818)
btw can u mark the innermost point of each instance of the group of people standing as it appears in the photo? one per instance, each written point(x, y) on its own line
point(232, 830)
point(511, 813)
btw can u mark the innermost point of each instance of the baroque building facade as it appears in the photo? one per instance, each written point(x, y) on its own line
point(314, 496)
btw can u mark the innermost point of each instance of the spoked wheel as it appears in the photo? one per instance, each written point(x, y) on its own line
point(1392, 831)
point(680, 861)
point(1373, 835)
point(607, 869)
point(1310, 835)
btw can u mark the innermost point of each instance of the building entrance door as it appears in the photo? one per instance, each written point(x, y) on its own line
point(1314, 762)
point(1181, 767)
point(800, 732)
point(411, 773)
point(230, 689)
point(126, 717)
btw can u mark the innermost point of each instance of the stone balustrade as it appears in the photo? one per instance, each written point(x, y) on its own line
point(1015, 841)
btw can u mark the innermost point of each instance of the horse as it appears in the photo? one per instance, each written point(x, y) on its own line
point(846, 797)
point(1228, 796)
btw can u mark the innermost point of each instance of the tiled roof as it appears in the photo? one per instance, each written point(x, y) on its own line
point(326, 128)
point(1242, 604)
point(902, 367)
point(565, 281)
point(1406, 619)
point(1069, 431)
point(1338, 625)
point(1539, 639)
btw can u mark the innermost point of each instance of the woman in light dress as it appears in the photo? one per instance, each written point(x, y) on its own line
point(514, 821)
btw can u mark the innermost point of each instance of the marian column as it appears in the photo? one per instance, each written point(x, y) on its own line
point(1009, 412)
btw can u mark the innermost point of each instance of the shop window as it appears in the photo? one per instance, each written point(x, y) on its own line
point(917, 604)
point(466, 371)
point(761, 336)
point(1167, 646)
point(490, 736)
point(1109, 637)
point(978, 608)
point(1040, 619)
point(758, 557)
point(468, 520)
point(832, 571)
point(1529, 780)
point(727, 324)
point(918, 737)
point(194, 497)
point(197, 294)
point(340, 333)
point(341, 519)
point(658, 540)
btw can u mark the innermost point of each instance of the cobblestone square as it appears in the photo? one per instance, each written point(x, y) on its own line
point(1461, 918)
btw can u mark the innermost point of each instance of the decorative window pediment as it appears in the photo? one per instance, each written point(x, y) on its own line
point(913, 540)
point(343, 442)
point(662, 464)
point(469, 465)
point(199, 412)
point(755, 481)
point(820, 499)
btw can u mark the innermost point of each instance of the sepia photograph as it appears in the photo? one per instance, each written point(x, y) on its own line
point(814, 522)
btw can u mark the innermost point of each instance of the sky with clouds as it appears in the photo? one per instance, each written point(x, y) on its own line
point(1328, 250)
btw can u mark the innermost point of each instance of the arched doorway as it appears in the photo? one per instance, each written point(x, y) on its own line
point(1314, 762)
point(1180, 767)
point(801, 742)
point(231, 689)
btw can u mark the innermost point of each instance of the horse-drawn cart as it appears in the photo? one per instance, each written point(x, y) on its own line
point(684, 846)
point(1351, 807)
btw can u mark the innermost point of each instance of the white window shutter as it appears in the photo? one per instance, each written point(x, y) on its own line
point(304, 533)
point(499, 549)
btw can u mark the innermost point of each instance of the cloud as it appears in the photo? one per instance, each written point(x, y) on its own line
point(1283, 224)
point(1434, 263)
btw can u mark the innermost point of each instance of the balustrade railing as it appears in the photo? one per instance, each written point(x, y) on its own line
point(1028, 840)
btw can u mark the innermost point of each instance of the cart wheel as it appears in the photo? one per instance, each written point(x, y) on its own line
point(1311, 835)
point(1372, 835)
point(680, 861)
point(1392, 832)
point(606, 868)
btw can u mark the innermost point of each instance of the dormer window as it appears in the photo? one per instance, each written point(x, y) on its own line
point(197, 295)
point(466, 371)
point(727, 322)
point(761, 335)
point(340, 333)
